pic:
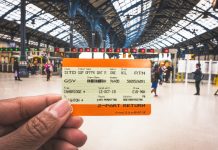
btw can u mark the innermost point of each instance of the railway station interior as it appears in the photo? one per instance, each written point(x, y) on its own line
point(178, 37)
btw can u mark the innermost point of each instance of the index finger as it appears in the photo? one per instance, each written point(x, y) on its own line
point(17, 109)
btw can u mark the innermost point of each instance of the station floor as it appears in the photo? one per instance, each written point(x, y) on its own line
point(179, 120)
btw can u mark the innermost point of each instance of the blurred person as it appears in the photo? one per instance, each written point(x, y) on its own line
point(48, 70)
point(16, 70)
point(168, 71)
point(198, 77)
point(155, 76)
point(161, 71)
point(39, 123)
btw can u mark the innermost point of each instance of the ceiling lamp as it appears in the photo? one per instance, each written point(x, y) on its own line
point(33, 22)
point(128, 17)
point(205, 15)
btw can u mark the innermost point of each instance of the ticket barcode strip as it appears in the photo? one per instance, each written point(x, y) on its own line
point(96, 81)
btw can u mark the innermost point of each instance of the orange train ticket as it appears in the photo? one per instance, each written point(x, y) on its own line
point(107, 87)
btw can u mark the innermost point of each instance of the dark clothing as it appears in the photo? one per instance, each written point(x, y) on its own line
point(16, 70)
point(197, 75)
point(155, 76)
point(197, 85)
point(48, 71)
point(48, 74)
point(16, 65)
point(169, 69)
point(154, 85)
point(198, 78)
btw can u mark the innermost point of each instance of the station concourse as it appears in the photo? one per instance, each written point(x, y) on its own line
point(178, 37)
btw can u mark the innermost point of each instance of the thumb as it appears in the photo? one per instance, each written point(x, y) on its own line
point(34, 133)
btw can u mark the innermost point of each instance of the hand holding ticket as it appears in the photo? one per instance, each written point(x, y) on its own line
point(107, 87)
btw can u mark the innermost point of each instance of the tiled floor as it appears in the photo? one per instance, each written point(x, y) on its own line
point(179, 120)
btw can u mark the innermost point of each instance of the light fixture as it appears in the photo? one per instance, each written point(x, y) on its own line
point(33, 22)
point(205, 15)
point(128, 17)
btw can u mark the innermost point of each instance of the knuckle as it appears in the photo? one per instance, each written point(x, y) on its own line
point(22, 111)
point(40, 126)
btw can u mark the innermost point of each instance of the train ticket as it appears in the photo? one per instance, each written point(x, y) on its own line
point(100, 87)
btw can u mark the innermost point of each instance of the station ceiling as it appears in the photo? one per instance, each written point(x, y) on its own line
point(115, 23)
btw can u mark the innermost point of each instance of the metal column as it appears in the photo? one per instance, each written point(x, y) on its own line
point(71, 23)
point(104, 45)
point(23, 30)
point(93, 42)
point(73, 4)
point(71, 34)
point(23, 58)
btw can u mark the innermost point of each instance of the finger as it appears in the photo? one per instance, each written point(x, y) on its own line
point(74, 136)
point(5, 130)
point(58, 145)
point(73, 122)
point(16, 109)
point(39, 129)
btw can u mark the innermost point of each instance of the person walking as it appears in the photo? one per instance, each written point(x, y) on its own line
point(198, 78)
point(155, 76)
point(16, 70)
point(48, 70)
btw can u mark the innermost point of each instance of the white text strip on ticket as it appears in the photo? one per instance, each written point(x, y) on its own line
point(90, 85)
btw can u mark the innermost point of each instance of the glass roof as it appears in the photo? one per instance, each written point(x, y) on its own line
point(17, 39)
point(133, 14)
point(44, 22)
point(191, 25)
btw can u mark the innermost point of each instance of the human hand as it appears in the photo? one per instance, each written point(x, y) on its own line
point(39, 123)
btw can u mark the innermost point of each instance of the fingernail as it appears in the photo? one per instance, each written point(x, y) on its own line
point(60, 108)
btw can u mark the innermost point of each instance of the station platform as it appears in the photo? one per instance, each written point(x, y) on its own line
point(179, 119)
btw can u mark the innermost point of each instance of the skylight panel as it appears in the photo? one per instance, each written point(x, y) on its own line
point(65, 27)
point(204, 4)
point(37, 23)
point(122, 5)
point(158, 44)
point(196, 29)
point(47, 16)
point(193, 24)
point(44, 22)
point(15, 15)
point(182, 23)
point(63, 34)
point(33, 9)
point(165, 42)
point(177, 37)
point(209, 22)
point(56, 32)
point(14, 2)
point(175, 29)
point(58, 22)
point(47, 27)
point(172, 40)
point(67, 38)
point(4, 9)
point(186, 34)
